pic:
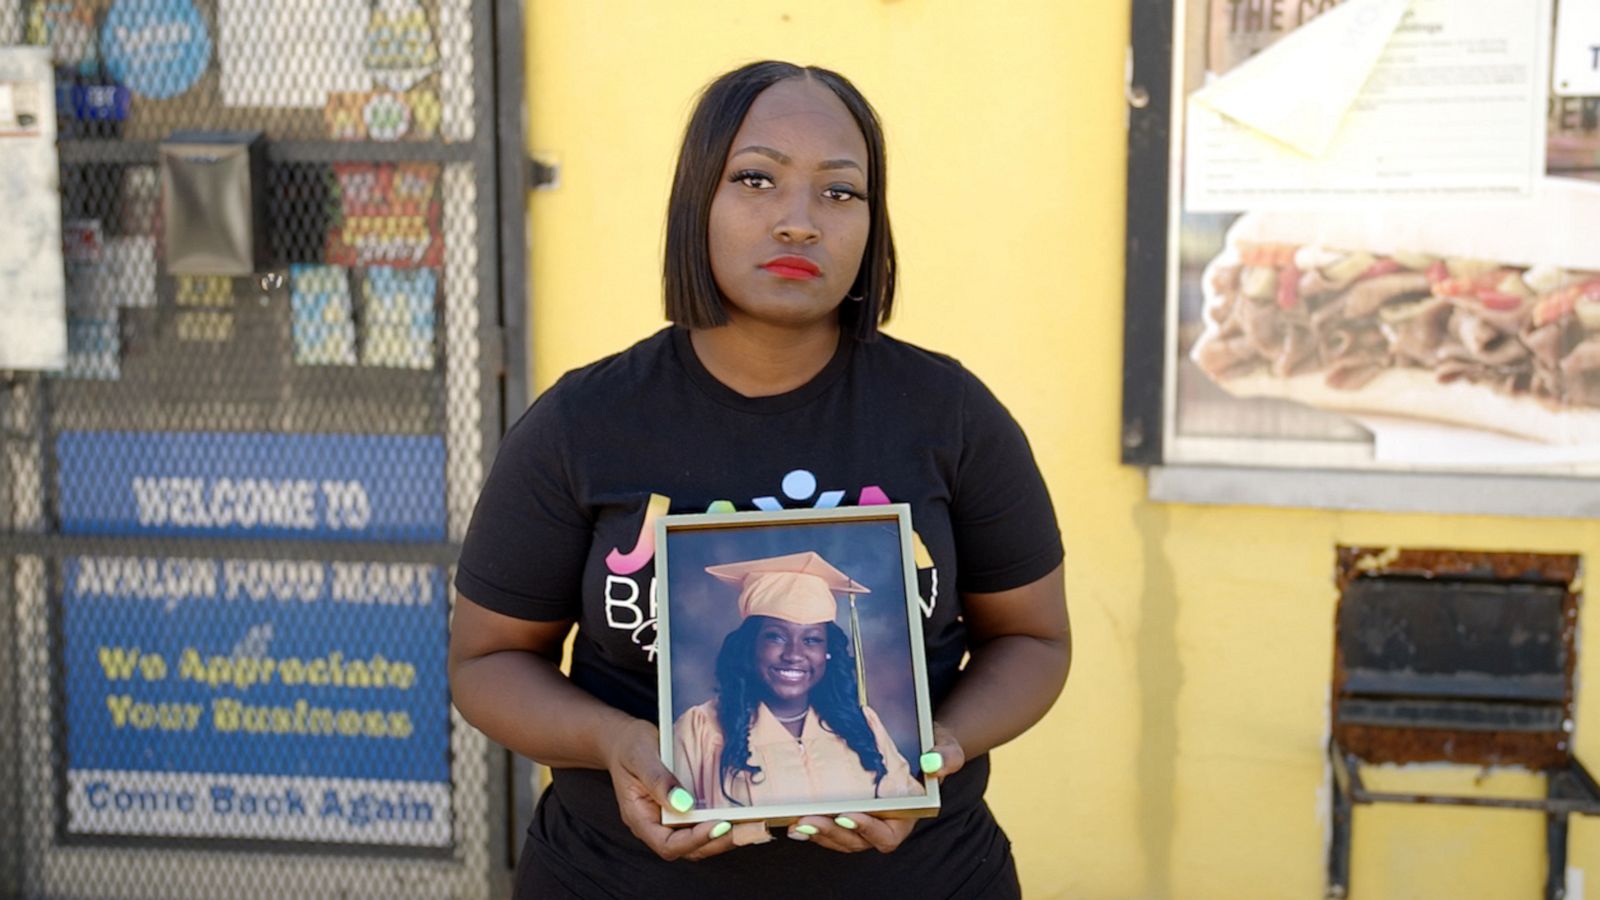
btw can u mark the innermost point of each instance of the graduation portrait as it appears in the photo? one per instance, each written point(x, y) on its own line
point(792, 679)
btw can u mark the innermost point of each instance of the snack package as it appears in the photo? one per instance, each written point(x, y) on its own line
point(398, 317)
point(323, 328)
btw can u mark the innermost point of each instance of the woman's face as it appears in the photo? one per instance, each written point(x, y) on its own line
point(789, 220)
point(790, 658)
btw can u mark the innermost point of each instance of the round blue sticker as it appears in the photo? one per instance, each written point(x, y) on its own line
point(158, 48)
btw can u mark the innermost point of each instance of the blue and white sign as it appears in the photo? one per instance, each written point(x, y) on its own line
point(251, 698)
point(158, 48)
point(314, 486)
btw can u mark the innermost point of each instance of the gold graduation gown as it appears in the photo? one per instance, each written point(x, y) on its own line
point(818, 766)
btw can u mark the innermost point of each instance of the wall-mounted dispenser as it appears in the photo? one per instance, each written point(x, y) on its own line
point(213, 203)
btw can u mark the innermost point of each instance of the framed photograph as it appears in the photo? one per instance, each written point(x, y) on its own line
point(791, 668)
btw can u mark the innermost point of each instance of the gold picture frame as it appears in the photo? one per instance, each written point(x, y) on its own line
point(727, 583)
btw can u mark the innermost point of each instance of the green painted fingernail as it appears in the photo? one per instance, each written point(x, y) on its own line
point(681, 800)
point(720, 829)
point(932, 761)
point(845, 822)
point(807, 830)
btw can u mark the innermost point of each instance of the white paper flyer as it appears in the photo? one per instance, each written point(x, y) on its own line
point(1389, 101)
point(33, 325)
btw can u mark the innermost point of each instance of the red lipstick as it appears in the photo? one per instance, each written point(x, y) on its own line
point(796, 267)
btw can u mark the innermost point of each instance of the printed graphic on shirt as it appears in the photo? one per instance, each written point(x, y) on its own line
point(630, 588)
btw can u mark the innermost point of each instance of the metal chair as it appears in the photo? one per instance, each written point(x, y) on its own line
point(1446, 656)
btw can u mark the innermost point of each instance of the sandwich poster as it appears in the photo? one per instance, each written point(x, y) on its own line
point(1380, 259)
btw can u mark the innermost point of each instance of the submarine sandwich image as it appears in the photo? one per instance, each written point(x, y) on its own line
point(1486, 318)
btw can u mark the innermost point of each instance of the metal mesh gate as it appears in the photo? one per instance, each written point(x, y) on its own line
point(227, 524)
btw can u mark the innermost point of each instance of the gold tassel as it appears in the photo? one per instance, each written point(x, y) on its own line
point(855, 646)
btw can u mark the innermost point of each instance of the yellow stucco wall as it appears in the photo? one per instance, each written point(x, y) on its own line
point(1185, 759)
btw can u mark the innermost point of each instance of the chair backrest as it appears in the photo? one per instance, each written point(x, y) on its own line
point(1452, 656)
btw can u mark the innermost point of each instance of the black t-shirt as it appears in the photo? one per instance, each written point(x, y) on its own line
point(563, 530)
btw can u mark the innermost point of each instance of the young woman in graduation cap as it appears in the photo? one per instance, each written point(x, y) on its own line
point(774, 379)
point(787, 724)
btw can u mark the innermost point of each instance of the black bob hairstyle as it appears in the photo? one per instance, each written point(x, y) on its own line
point(692, 296)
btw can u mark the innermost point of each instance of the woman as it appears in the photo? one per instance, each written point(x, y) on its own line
point(779, 268)
point(786, 725)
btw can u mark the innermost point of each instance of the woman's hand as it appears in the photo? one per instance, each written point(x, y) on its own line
point(946, 757)
point(852, 832)
point(644, 786)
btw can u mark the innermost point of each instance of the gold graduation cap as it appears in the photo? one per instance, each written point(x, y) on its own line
point(797, 588)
